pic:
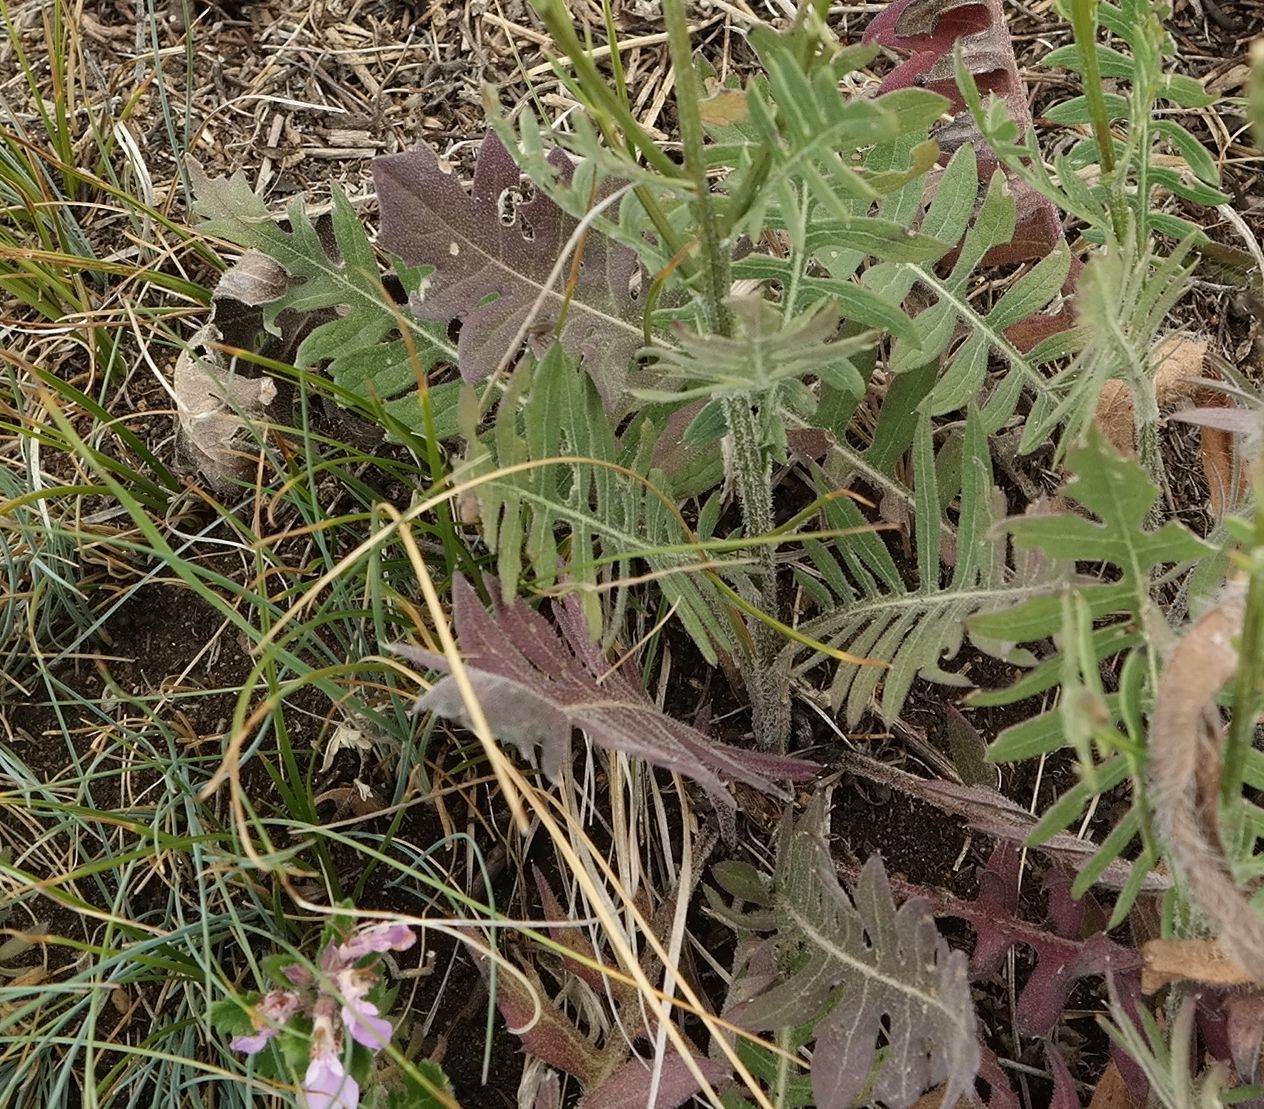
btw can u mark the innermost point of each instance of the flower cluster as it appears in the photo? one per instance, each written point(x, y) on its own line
point(336, 1001)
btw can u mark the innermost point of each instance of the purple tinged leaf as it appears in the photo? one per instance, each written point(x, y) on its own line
point(629, 1086)
point(928, 31)
point(1001, 1095)
point(1245, 1031)
point(570, 938)
point(535, 685)
point(553, 1037)
point(1065, 1095)
point(1061, 960)
point(899, 980)
point(991, 812)
point(492, 261)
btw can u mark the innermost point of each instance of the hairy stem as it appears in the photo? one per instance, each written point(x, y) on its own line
point(766, 683)
point(1084, 27)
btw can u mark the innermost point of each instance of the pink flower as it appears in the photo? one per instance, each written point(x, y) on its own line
point(374, 939)
point(274, 1010)
point(337, 1001)
point(360, 1016)
point(327, 1085)
point(253, 1043)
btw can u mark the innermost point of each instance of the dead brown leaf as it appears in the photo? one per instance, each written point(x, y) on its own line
point(724, 107)
point(213, 402)
point(1113, 1093)
point(1176, 358)
point(1178, 363)
point(1202, 961)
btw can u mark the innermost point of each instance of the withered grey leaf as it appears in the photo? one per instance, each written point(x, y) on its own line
point(535, 686)
point(255, 279)
point(213, 403)
point(867, 972)
point(493, 254)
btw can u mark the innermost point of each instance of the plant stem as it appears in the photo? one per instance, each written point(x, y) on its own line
point(752, 473)
point(766, 685)
point(1084, 27)
point(715, 260)
point(590, 88)
point(1246, 688)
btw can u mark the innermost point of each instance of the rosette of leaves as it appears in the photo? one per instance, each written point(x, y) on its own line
point(769, 360)
point(848, 972)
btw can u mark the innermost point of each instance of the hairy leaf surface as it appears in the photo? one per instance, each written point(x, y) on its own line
point(867, 609)
point(492, 254)
point(589, 506)
point(870, 972)
point(536, 685)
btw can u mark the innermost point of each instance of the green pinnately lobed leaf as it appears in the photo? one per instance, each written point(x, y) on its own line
point(862, 969)
point(1120, 494)
point(1107, 730)
point(591, 504)
point(332, 284)
point(868, 610)
point(492, 254)
point(1136, 164)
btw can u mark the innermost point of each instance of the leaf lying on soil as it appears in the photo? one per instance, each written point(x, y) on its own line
point(493, 253)
point(900, 982)
point(535, 686)
point(1074, 949)
point(213, 404)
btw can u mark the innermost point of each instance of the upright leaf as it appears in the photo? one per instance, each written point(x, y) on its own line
point(875, 615)
point(1107, 730)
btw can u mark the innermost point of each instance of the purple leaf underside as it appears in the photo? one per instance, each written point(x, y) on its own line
point(629, 1086)
point(536, 685)
point(493, 253)
point(900, 982)
point(927, 31)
